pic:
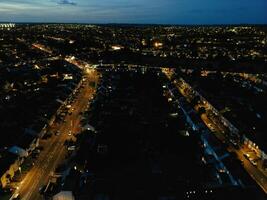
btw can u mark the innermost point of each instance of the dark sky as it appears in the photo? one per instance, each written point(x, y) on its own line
point(136, 11)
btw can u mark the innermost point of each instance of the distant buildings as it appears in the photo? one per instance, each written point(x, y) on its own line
point(7, 26)
point(42, 65)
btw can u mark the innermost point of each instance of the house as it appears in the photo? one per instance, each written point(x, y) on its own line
point(25, 146)
point(9, 164)
point(64, 195)
point(28, 143)
point(89, 128)
point(18, 151)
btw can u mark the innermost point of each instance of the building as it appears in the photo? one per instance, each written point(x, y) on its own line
point(64, 195)
point(9, 164)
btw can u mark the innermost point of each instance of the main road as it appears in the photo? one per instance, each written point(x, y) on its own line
point(54, 150)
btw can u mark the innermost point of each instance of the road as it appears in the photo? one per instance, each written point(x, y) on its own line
point(217, 129)
point(54, 150)
point(254, 172)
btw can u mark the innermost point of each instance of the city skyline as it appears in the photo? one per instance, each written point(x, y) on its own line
point(129, 11)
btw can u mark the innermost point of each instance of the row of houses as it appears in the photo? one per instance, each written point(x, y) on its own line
point(12, 158)
point(244, 139)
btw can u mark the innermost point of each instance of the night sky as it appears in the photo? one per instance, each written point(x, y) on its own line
point(136, 11)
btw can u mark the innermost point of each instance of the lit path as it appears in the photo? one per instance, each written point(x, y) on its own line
point(54, 151)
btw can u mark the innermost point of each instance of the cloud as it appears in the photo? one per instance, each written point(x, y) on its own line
point(67, 2)
point(135, 11)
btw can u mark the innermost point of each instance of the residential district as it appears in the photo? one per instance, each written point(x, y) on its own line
point(122, 112)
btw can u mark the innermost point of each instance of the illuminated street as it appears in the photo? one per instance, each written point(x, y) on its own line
point(114, 111)
point(218, 129)
point(54, 150)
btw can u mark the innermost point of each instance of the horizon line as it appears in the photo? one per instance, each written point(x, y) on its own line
point(158, 24)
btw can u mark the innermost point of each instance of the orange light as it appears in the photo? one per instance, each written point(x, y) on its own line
point(158, 44)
